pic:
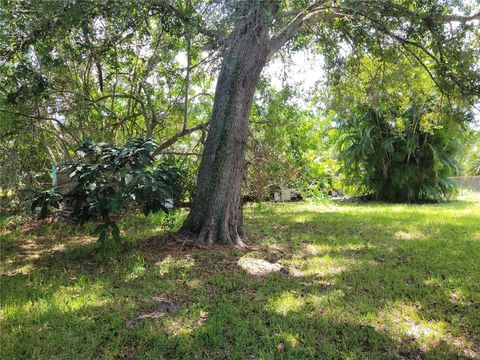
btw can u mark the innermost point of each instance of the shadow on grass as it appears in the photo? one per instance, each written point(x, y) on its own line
point(229, 330)
point(373, 283)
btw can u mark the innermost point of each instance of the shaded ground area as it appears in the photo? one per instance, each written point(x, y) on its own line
point(334, 281)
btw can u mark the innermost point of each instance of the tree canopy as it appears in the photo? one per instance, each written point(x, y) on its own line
point(114, 71)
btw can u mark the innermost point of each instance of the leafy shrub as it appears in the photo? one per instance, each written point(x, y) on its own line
point(399, 157)
point(44, 202)
point(108, 179)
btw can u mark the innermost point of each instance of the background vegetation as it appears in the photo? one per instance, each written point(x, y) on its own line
point(113, 72)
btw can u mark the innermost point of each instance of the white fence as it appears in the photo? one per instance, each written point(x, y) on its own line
point(469, 183)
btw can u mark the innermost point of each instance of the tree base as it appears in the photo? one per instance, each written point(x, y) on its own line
point(211, 235)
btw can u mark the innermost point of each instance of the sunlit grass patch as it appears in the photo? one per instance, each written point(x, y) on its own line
point(286, 303)
point(371, 281)
point(319, 265)
point(404, 321)
point(175, 266)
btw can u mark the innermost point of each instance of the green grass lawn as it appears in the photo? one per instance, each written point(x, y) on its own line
point(319, 281)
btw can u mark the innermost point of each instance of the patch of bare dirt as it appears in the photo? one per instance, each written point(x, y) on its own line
point(162, 307)
point(258, 267)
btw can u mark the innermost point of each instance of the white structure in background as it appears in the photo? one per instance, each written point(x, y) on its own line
point(338, 193)
point(168, 203)
point(467, 183)
point(283, 195)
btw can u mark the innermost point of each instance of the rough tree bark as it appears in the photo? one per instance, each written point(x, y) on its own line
point(216, 212)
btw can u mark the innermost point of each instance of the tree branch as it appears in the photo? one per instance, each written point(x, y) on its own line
point(455, 18)
point(181, 153)
point(277, 41)
point(177, 136)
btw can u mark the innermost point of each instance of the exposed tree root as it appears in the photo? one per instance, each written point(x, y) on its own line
point(210, 235)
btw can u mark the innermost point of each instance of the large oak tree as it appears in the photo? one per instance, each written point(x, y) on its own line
point(244, 34)
point(260, 29)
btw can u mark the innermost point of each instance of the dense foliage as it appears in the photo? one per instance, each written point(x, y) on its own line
point(399, 138)
point(399, 162)
point(115, 71)
point(102, 70)
point(471, 163)
point(106, 179)
point(289, 147)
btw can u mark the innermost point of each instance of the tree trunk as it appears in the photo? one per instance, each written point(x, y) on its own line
point(216, 212)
